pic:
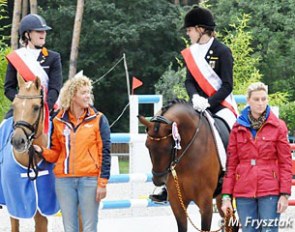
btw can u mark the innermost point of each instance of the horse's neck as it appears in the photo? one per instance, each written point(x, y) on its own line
point(23, 158)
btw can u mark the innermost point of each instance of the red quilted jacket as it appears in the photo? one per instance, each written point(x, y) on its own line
point(259, 166)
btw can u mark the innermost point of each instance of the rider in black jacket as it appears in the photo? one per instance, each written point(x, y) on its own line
point(199, 24)
point(33, 34)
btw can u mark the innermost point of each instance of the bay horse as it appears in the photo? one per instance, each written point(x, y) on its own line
point(184, 159)
point(24, 168)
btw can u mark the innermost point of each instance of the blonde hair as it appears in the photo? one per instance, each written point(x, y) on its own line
point(256, 87)
point(71, 87)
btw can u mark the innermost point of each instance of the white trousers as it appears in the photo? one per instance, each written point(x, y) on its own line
point(230, 119)
point(228, 116)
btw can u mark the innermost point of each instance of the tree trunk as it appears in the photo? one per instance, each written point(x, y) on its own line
point(33, 6)
point(185, 2)
point(25, 8)
point(76, 38)
point(15, 24)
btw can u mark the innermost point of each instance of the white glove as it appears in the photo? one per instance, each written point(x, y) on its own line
point(200, 103)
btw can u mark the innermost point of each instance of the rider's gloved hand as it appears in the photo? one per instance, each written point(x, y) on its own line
point(200, 103)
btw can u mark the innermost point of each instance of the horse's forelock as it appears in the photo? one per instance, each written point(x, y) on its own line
point(28, 84)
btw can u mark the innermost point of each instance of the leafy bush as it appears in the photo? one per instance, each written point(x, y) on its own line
point(4, 50)
point(239, 41)
point(171, 85)
point(287, 113)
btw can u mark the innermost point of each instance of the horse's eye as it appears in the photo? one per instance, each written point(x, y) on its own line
point(146, 130)
point(36, 108)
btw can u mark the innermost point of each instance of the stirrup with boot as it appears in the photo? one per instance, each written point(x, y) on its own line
point(161, 197)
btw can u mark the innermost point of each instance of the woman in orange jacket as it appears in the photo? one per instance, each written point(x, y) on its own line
point(80, 149)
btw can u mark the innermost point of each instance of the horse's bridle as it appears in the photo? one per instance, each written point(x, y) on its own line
point(23, 125)
point(160, 119)
point(173, 154)
point(33, 128)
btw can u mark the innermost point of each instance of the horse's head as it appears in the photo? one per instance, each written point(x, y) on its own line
point(161, 141)
point(27, 114)
point(160, 145)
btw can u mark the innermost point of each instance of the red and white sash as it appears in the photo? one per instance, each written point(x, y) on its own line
point(205, 76)
point(29, 68)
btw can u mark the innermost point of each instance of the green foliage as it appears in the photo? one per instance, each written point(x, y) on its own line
point(273, 48)
point(171, 84)
point(287, 113)
point(278, 98)
point(4, 50)
point(272, 24)
point(239, 41)
point(245, 65)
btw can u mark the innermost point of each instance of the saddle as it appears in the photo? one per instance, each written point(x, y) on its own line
point(223, 130)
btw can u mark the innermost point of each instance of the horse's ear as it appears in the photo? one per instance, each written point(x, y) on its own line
point(143, 120)
point(37, 82)
point(20, 80)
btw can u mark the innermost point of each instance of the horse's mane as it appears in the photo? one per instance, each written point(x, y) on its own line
point(171, 103)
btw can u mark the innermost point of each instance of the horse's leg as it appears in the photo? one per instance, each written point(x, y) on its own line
point(206, 211)
point(219, 204)
point(41, 223)
point(178, 211)
point(14, 224)
point(180, 217)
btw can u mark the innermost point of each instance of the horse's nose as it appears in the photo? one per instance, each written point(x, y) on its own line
point(158, 181)
point(18, 142)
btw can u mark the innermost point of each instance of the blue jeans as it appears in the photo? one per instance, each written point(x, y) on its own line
point(74, 193)
point(253, 211)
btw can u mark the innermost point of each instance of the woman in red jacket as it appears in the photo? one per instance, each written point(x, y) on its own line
point(259, 165)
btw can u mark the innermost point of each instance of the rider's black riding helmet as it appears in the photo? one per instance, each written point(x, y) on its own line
point(199, 17)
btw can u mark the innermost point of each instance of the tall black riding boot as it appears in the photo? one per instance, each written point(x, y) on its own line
point(161, 197)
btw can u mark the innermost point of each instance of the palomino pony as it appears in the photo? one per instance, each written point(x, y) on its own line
point(184, 158)
point(34, 195)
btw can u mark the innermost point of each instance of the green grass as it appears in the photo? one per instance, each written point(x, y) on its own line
point(124, 166)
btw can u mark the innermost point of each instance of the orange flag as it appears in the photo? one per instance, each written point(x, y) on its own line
point(135, 84)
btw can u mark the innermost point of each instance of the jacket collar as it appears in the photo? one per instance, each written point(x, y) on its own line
point(243, 120)
point(91, 113)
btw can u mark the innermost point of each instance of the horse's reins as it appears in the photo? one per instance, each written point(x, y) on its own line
point(23, 125)
point(174, 158)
